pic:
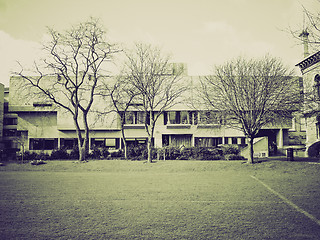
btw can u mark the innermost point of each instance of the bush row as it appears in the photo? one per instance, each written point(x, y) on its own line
point(140, 152)
point(96, 153)
point(226, 152)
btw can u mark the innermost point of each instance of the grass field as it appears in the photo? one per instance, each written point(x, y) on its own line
point(163, 200)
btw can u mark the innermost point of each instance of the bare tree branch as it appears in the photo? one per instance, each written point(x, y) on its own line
point(251, 93)
point(158, 86)
point(70, 75)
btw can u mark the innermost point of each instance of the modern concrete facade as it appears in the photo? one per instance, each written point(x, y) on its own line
point(36, 124)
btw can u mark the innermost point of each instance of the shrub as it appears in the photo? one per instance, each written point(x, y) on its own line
point(172, 153)
point(99, 153)
point(104, 152)
point(186, 154)
point(230, 149)
point(136, 152)
point(74, 154)
point(116, 154)
point(233, 157)
point(42, 156)
point(59, 154)
point(95, 153)
point(204, 153)
point(30, 155)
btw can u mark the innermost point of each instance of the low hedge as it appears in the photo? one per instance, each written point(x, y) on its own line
point(140, 152)
point(227, 152)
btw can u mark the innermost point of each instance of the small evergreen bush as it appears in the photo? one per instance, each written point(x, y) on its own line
point(59, 154)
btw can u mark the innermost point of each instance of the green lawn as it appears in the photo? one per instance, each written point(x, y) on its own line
point(163, 200)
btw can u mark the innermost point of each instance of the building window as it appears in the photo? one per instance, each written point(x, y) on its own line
point(68, 143)
point(129, 118)
point(178, 117)
point(97, 142)
point(177, 140)
point(134, 117)
point(207, 141)
point(140, 116)
point(105, 142)
point(43, 143)
point(111, 142)
point(173, 117)
point(184, 117)
point(136, 141)
point(234, 140)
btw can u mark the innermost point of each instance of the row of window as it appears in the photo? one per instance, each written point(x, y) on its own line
point(172, 140)
point(186, 140)
point(69, 143)
point(177, 117)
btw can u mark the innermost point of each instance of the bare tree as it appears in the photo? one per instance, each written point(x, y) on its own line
point(157, 83)
point(251, 94)
point(122, 94)
point(69, 76)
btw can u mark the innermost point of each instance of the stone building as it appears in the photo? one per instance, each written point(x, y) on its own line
point(310, 69)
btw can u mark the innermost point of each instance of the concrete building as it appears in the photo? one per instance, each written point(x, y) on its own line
point(35, 124)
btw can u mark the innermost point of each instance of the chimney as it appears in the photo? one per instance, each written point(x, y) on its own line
point(304, 36)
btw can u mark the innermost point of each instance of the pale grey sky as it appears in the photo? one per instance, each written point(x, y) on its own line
point(201, 33)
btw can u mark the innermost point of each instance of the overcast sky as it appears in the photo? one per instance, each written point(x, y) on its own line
point(201, 33)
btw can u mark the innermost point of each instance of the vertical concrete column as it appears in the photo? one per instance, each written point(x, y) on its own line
point(192, 141)
point(280, 138)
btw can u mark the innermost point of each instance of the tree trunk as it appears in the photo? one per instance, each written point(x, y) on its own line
point(124, 141)
point(81, 145)
point(86, 133)
point(82, 153)
point(22, 154)
point(125, 150)
point(250, 160)
point(149, 149)
point(150, 137)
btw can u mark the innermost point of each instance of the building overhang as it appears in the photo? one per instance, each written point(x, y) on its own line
point(73, 129)
point(17, 108)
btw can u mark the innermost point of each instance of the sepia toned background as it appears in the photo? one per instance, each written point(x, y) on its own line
point(199, 33)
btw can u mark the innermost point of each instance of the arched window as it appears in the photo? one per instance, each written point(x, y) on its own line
point(317, 86)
